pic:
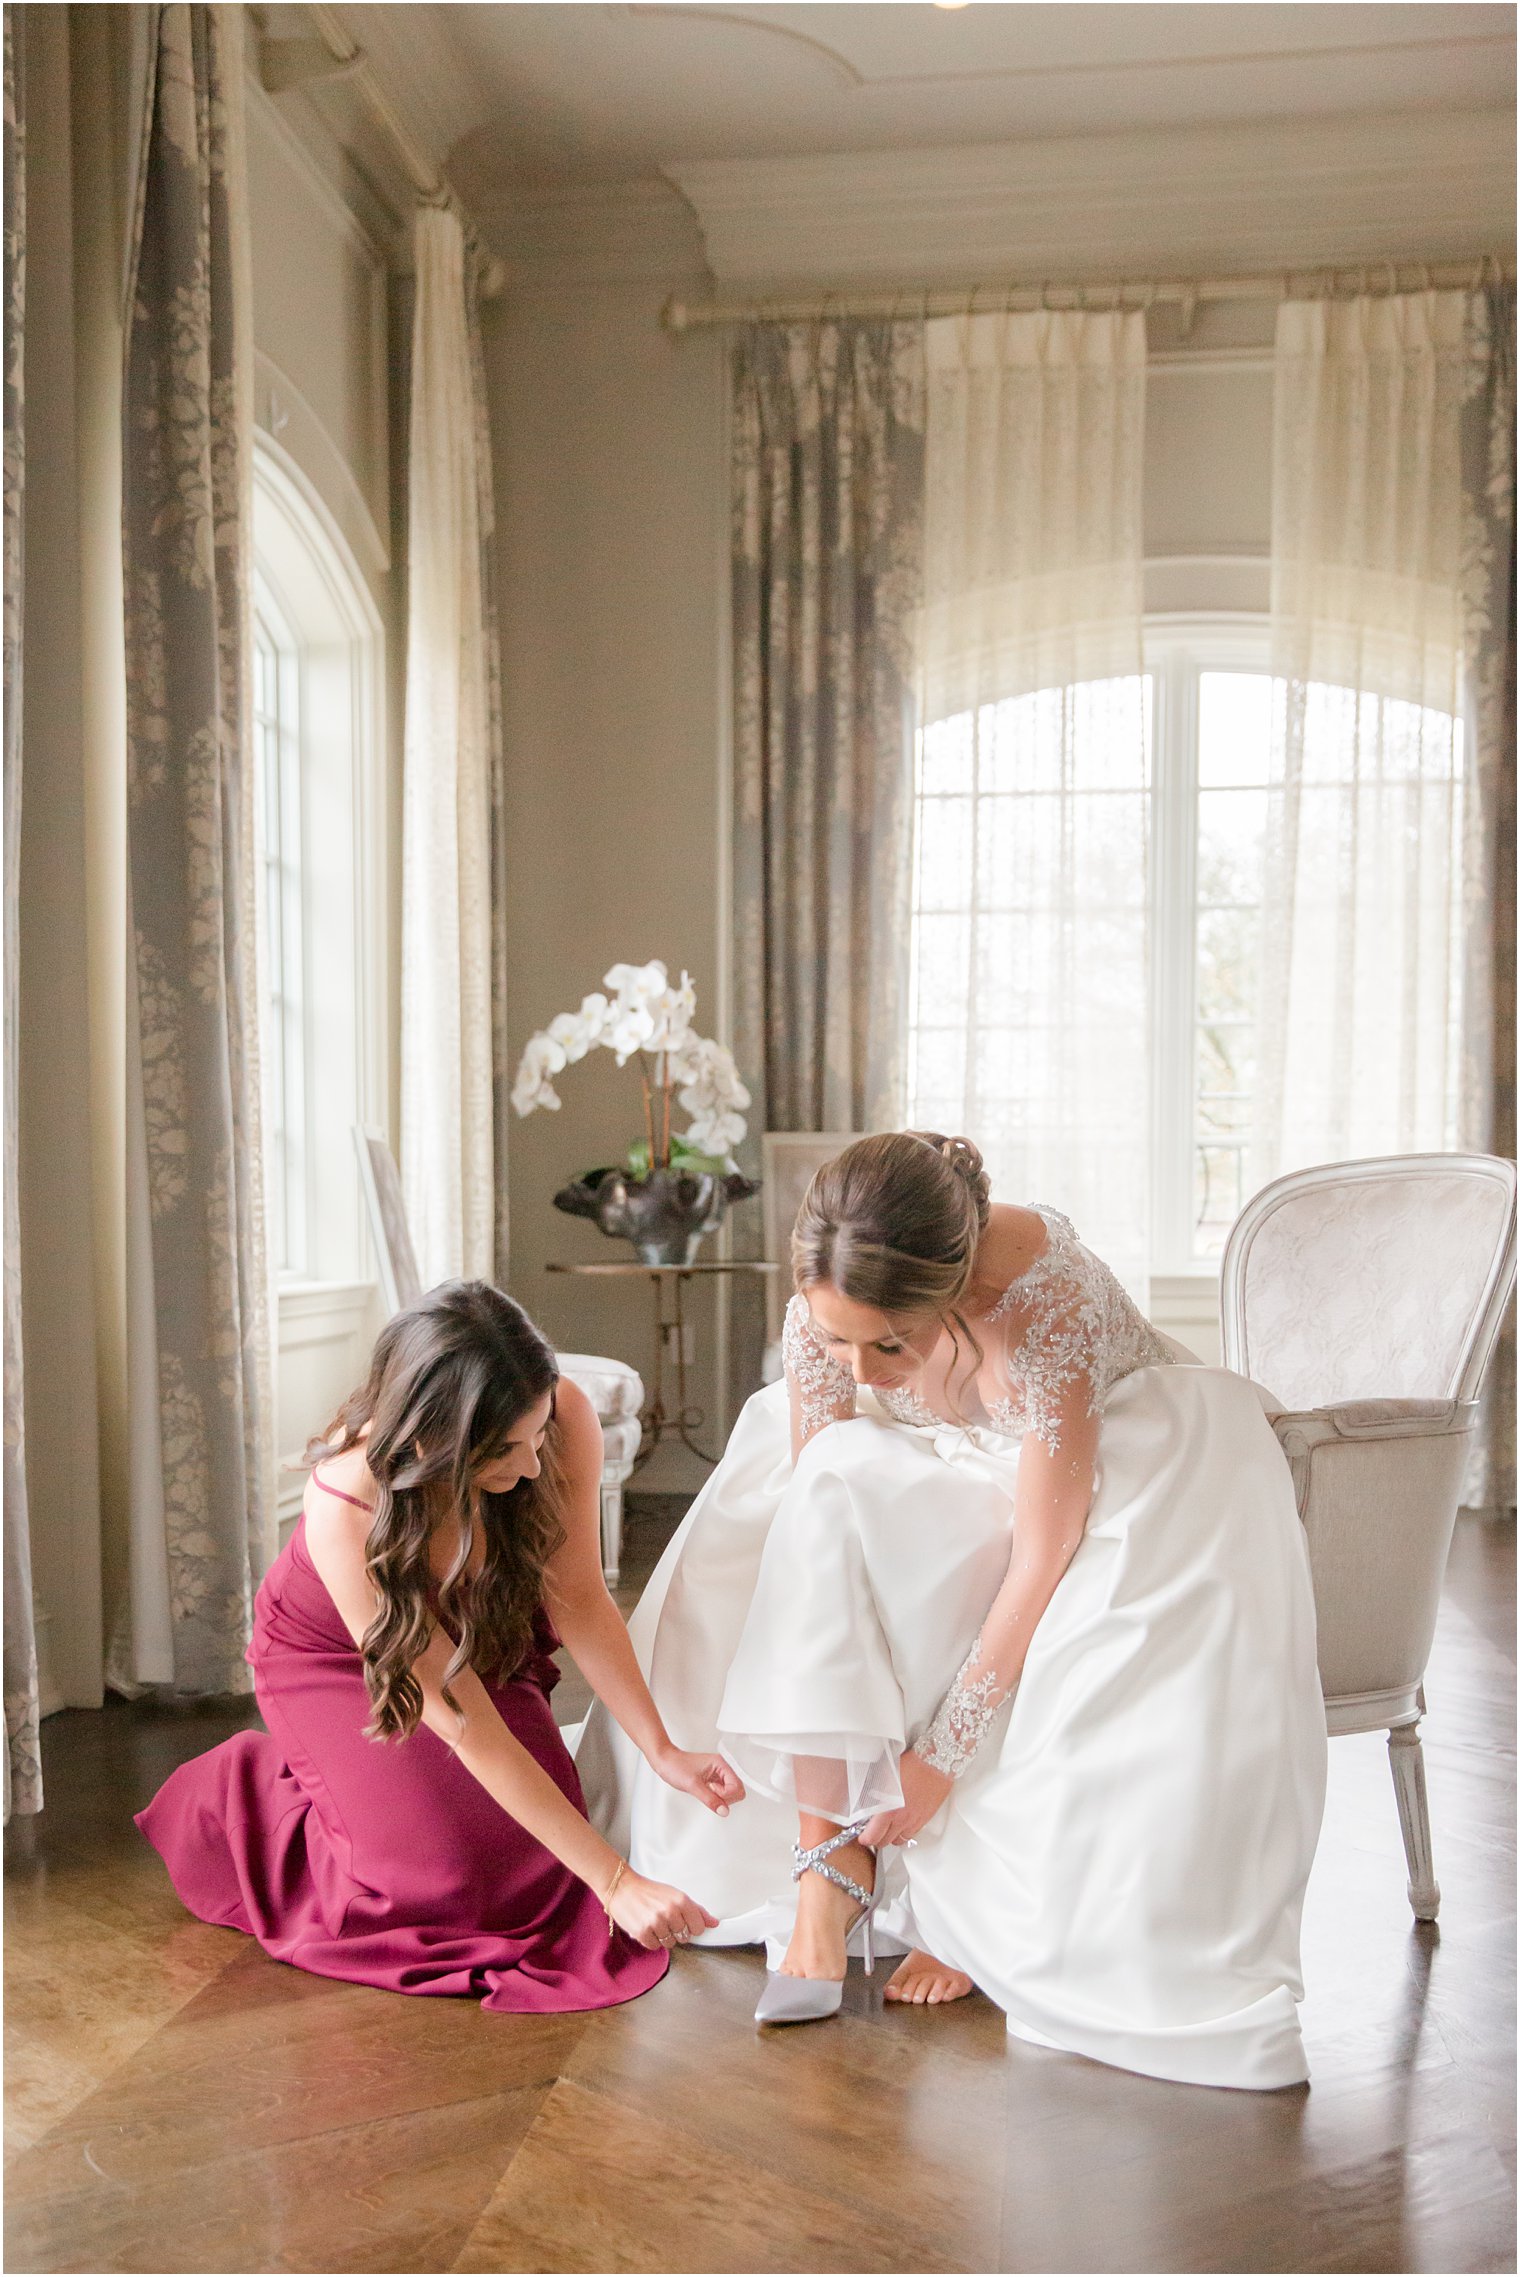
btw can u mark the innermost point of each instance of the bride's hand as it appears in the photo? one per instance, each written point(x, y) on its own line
point(714, 1783)
point(924, 1791)
point(654, 1914)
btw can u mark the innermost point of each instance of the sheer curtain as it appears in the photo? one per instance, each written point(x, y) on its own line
point(450, 800)
point(1029, 1022)
point(1360, 969)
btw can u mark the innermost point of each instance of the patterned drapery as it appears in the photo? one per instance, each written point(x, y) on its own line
point(23, 1763)
point(198, 1324)
point(1488, 713)
point(827, 503)
point(452, 1023)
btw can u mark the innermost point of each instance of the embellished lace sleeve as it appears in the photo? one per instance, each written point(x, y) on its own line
point(1070, 1331)
point(825, 1387)
point(963, 1718)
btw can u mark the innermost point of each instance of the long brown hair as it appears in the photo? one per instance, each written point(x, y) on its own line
point(448, 1380)
point(894, 1222)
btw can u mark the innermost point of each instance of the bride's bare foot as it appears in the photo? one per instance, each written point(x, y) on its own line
point(817, 1948)
point(921, 1979)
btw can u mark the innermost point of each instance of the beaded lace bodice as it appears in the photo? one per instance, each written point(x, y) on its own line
point(1066, 1326)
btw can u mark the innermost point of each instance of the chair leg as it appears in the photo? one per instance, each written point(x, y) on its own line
point(612, 1531)
point(1406, 1759)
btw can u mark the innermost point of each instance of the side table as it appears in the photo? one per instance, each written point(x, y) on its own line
point(670, 1340)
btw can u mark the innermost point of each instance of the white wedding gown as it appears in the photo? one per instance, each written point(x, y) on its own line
point(1121, 1866)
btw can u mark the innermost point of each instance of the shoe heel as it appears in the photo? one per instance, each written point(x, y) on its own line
point(866, 1953)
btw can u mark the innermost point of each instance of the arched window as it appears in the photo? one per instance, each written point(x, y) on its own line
point(1015, 858)
point(319, 755)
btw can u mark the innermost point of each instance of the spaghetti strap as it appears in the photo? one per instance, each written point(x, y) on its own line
point(338, 1494)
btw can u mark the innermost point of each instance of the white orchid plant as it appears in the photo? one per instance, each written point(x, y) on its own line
point(644, 1017)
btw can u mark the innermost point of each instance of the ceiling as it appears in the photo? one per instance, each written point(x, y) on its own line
point(584, 92)
point(1329, 131)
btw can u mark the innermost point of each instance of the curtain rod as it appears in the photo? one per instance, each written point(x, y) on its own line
point(335, 55)
point(680, 316)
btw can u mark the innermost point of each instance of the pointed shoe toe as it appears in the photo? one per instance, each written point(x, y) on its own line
point(798, 2000)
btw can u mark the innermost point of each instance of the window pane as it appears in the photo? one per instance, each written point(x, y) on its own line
point(1231, 825)
point(277, 759)
point(944, 853)
point(1234, 729)
point(1370, 974)
point(1227, 976)
point(1029, 1027)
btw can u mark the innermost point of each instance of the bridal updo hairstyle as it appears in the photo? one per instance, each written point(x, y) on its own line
point(894, 1223)
point(449, 1380)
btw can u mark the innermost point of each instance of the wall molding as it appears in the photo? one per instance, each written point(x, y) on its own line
point(1187, 585)
point(1257, 195)
point(270, 116)
point(284, 416)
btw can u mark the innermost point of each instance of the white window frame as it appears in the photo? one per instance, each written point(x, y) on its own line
point(304, 566)
point(326, 1316)
point(1179, 648)
point(284, 1044)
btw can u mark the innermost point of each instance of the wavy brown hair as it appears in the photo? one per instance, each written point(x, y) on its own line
point(448, 1381)
point(894, 1222)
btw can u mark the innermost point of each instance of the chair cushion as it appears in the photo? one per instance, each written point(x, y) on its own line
point(613, 1388)
point(620, 1441)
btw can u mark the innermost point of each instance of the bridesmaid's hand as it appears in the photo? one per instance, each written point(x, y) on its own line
point(655, 1914)
point(924, 1791)
point(714, 1783)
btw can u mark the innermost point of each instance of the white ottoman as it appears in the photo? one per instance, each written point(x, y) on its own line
point(616, 1391)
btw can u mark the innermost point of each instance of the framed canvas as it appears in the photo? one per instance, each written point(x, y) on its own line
point(400, 1280)
point(788, 1161)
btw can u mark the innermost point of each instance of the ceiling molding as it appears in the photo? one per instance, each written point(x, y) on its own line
point(1255, 195)
point(585, 234)
point(844, 70)
point(1500, 44)
point(413, 54)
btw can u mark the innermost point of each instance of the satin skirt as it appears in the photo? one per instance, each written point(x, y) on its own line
point(1122, 1866)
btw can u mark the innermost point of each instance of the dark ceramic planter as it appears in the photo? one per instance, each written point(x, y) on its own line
point(664, 1215)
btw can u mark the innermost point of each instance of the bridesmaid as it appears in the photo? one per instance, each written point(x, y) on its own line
point(411, 1818)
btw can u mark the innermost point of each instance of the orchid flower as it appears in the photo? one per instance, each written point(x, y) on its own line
point(644, 1013)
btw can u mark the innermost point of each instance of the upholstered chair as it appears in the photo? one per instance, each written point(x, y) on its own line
point(614, 1389)
point(1366, 1297)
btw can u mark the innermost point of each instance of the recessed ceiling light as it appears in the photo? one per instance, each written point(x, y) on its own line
point(950, 3)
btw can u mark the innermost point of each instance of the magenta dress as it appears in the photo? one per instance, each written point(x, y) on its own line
point(384, 1862)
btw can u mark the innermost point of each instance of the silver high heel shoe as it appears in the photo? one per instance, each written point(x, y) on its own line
point(803, 2000)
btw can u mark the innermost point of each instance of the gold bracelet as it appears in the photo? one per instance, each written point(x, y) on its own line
point(610, 1892)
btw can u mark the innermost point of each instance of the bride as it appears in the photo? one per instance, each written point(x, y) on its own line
point(1004, 1618)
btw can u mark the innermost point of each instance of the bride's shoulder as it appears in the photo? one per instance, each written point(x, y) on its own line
point(1022, 1225)
point(1016, 1238)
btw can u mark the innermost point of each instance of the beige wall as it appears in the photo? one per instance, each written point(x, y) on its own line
point(610, 460)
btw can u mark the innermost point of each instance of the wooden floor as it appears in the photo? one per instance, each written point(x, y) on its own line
point(179, 2102)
